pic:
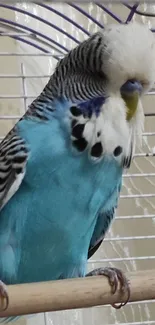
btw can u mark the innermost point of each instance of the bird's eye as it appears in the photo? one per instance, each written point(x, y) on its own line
point(145, 83)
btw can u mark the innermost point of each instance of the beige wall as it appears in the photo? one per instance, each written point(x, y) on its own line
point(121, 249)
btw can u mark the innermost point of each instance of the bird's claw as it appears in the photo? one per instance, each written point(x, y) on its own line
point(4, 296)
point(114, 276)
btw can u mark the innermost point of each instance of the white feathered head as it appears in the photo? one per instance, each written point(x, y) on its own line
point(125, 55)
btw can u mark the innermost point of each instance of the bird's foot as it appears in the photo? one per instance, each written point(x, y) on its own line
point(4, 296)
point(114, 276)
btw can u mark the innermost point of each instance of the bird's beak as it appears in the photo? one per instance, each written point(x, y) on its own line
point(131, 92)
point(131, 103)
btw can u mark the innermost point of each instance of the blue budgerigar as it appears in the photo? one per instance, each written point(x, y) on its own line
point(61, 165)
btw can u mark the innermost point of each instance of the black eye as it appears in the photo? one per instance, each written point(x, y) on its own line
point(145, 83)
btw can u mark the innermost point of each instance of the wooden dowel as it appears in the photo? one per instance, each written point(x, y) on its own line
point(75, 293)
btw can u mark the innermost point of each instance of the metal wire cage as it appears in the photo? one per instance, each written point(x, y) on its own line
point(33, 37)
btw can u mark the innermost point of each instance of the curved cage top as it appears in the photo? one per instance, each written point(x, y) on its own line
point(96, 14)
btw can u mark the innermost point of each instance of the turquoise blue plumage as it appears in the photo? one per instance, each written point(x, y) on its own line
point(50, 204)
point(61, 165)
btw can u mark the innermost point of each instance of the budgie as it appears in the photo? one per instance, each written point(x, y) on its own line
point(61, 165)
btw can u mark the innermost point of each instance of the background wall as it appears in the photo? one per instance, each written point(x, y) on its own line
point(22, 77)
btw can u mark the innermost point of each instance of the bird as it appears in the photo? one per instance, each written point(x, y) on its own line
point(61, 165)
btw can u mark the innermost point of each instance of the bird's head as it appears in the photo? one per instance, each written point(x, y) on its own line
point(129, 62)
point(122, 59)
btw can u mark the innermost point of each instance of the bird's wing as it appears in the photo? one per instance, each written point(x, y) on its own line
point(13, 159)
point(100, 230)
point(103, 222)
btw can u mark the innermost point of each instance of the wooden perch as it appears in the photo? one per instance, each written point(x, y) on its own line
point(75, 293)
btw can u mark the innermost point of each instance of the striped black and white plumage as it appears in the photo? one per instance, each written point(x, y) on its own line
point(13, 158)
